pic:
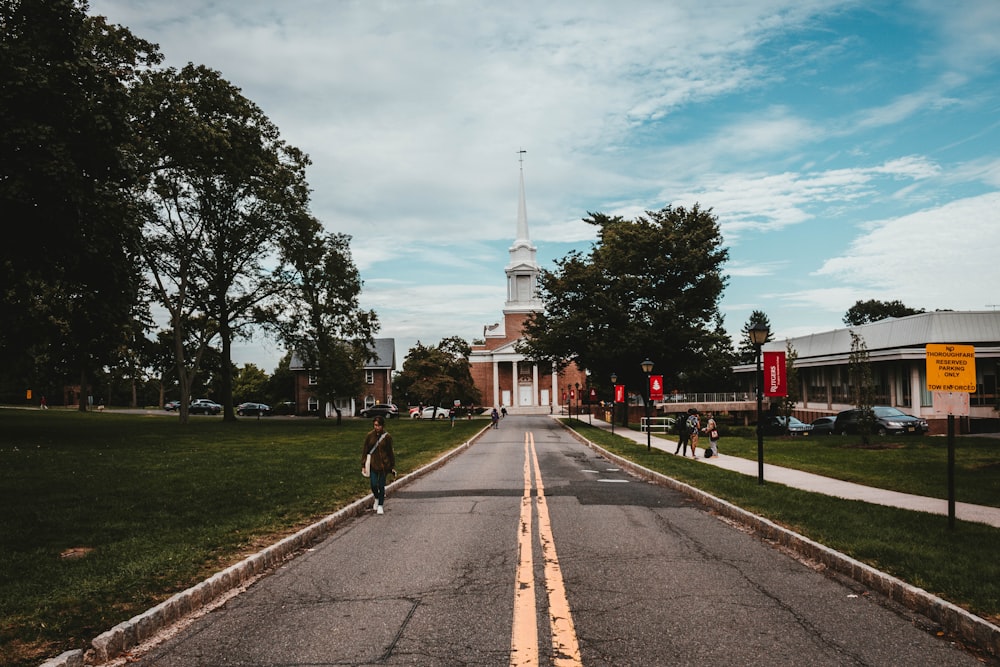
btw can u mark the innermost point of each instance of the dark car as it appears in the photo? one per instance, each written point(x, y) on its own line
point(204, 406)
point(170, 406)
point(776, 425)
point(248, 409)
point(386, 410)
point(824, 425)
point(885, 421)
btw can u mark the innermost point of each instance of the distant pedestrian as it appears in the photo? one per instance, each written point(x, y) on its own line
point(503, 411)
point(378, 460)
point(694, 425)
point(712, 431)
point(495, 417)
point(43, 405)
point(451, 416)
point(683, 434)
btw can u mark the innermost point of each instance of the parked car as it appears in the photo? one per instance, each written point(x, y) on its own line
point(824, 425)
point(429, 413)
point(775, 425)
point(170, 406)
point(885, 421)
point(387, 410)
point(204, 406)
point(248, 409)
point(284, 408)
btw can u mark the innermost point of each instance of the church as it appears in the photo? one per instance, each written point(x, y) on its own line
point(504, 377)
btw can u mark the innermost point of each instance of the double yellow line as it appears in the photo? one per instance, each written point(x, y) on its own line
point(524, 636)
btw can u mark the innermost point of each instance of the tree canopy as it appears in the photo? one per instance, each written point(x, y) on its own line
point(70, 277)
point(437, 375)
point(865, 312)
point(649, 288)
point(747, 353)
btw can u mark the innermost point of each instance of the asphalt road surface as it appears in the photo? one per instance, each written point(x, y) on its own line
point(528, 549)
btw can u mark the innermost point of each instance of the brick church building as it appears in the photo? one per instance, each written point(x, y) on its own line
point(504, 376)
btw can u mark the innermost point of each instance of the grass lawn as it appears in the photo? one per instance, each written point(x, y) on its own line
point(106, 515)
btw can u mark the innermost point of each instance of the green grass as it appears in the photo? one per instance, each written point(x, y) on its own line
point(161, 505)
point(164, 505)
point(958, 565)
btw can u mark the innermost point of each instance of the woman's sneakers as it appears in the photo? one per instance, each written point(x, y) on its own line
point(379, 510)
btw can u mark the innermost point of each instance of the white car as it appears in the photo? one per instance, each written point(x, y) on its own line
point(429, 413)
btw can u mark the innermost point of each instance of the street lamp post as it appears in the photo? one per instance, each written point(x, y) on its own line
point(578, 401)
point(590, 405)
point(647, 368)
point(614, 385)
point(758, 336)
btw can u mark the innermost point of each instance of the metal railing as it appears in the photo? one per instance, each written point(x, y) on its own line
point(656, 424)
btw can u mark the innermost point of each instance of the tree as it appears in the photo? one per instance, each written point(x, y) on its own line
point(438, 375)
point(862, 384)
point(223, 190)
point(650, 287)
point(70, 276)
point(249, 383)
point(318, 315)
point(864, 312)
point(747, 352)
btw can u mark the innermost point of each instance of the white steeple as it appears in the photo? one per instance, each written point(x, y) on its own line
point(522, 271)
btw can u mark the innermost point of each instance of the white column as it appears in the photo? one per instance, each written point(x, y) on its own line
point(556, 396)
point(534, 384)
point(496, 383)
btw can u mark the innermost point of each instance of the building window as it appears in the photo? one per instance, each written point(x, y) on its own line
point(313, 405)
point(312, 378)
point(370, 377)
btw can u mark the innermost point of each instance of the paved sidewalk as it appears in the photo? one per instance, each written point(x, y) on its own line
point(831, 487)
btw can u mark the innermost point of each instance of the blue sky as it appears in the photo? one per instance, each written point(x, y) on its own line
point(851, 150)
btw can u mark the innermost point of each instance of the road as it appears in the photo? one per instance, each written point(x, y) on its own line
point(529, 548)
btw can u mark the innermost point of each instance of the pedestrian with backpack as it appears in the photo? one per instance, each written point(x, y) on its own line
point(712, 431)
point(683, 434)
point(694, 425)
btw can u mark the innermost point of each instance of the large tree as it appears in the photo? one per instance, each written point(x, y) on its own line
point(438, 375)
point(864, 312)
point(862, 385)
point(223, 190)
point(649, 287)
point(70, 275)
point(318, 315)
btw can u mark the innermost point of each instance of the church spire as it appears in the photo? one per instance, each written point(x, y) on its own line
point(522, 270)
point(522, 208)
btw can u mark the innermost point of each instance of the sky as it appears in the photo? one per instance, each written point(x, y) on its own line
point(850, 149)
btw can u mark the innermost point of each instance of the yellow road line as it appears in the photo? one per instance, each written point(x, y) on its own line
point(565, 647)
point(524, 636)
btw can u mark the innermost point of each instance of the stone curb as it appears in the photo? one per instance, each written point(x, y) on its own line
point(131, 633)
point(967, 626)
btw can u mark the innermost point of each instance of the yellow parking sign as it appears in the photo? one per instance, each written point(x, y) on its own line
point(951, 368)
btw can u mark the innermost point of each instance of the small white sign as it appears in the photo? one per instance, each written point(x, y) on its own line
point(951, 403)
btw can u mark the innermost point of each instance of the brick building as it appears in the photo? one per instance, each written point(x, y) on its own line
point(378, 383)
point(504, 376)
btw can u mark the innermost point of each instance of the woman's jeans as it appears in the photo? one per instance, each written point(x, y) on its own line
point(378, 485)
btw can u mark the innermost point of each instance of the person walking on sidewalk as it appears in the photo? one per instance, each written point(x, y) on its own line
point(694, 425)
point(712, 431)
point(378, 460)
point(682, 432)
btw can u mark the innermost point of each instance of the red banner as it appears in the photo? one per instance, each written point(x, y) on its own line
point(775, 380)
point(655, 387)
point(619, 393)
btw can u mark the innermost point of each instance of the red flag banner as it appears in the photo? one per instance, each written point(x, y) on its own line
point(655, 387)
point(619, 393)
point(775, 376)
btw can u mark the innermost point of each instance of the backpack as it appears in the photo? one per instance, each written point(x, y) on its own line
point(708, 452)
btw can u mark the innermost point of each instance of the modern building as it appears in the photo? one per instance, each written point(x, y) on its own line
point(378, 383)
point(504, 376)
point(897, 352)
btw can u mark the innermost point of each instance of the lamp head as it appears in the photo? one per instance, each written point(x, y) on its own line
point(647, 366)
point(758, 334)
